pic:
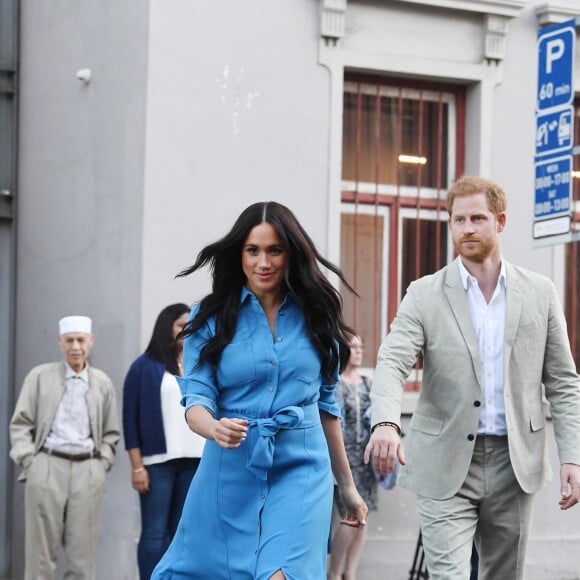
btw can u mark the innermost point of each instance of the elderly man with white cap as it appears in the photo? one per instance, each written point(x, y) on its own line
point(63, 432)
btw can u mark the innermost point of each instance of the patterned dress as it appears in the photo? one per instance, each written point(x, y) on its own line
point(356, 429)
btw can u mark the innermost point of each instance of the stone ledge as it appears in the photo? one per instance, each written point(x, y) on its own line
point(509, 8)
point(554, 13)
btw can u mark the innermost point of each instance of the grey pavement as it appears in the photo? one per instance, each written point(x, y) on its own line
point(553, 550)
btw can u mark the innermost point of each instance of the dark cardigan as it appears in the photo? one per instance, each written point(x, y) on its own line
point(142, 416)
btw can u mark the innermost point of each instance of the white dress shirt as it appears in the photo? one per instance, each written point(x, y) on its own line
point(489, 324)
point(71, 428)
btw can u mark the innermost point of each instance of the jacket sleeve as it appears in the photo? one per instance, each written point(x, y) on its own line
point(131, 404)
point(562, 384)
point(111, 429)
point(23, 422)
point(396, 358)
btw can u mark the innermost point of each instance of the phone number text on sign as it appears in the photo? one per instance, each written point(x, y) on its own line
point(553, 187)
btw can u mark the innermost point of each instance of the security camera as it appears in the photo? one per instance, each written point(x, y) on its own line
point(84, 74)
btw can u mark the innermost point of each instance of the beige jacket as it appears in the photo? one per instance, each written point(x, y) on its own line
point(41, 393)
point(434, 318)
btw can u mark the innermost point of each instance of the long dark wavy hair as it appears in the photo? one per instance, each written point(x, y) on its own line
point(162, 346)
point(320, 302)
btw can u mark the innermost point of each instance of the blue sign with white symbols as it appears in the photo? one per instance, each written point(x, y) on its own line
point(553, 182)
point(555, 66)
point(554, 132)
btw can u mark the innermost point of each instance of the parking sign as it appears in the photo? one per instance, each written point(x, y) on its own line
point(554, 131)
point(555, 66)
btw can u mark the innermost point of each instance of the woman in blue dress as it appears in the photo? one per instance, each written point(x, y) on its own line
point(261, 360)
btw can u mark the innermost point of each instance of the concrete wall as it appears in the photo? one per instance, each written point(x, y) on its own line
point(552, 550)
point(79, 241)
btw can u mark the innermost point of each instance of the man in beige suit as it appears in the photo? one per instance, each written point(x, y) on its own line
point(63, 432)
point(491, 334)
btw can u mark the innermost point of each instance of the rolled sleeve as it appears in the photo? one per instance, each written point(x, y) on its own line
point(327, 401)
point(198, 386)
point(192, 400)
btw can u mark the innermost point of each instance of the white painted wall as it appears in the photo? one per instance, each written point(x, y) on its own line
point(237, 113)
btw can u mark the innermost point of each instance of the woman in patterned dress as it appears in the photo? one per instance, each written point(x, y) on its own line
point(352, 394)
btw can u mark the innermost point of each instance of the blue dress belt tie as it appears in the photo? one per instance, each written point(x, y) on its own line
point(262, 433)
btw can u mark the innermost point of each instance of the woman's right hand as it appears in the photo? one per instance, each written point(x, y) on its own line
point(230, 433)
point(140, 480)
point(356, 508)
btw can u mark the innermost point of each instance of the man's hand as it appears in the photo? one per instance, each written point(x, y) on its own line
point(569, 485)
point(385, 445)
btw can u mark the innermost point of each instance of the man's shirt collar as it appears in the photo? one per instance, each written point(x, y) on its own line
point(466, 276)
point(84, 374)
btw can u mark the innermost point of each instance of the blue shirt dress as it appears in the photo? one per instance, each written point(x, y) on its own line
point(266, 505)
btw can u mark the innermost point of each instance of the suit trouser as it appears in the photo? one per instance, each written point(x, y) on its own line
point(490, 507)
point(63, 501)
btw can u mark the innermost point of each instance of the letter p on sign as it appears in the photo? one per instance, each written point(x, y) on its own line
point(554, 51)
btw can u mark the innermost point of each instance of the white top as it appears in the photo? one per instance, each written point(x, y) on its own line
point(181, 441)
point(489, 324)
point(71, 428)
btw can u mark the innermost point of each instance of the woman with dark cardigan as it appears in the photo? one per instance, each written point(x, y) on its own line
point(164, 453)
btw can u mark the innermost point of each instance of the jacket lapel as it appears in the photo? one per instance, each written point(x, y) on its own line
point(513, 308)
point(57, 390)
point(457, 298)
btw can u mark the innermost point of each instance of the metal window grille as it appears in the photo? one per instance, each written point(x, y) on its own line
point(403, 144)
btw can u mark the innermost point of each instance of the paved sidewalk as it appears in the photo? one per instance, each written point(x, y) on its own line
point(553, 550)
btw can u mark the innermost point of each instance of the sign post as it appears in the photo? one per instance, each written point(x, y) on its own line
point(554, 132)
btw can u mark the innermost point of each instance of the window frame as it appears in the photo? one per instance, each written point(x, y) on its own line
point(396, 202)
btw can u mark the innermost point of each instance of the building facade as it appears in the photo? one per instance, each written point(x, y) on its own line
point(134, 132)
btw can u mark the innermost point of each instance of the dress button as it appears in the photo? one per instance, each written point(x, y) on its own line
point(270, 389)
point(477, 403)
point(279, 339)
point(471, 437)
point(274, 362)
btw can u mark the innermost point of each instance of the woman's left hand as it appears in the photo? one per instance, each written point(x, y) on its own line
point(356, 508)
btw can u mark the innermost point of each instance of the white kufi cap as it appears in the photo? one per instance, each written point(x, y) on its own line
point(75, 324)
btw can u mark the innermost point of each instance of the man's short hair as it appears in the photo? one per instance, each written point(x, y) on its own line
point(470, 185)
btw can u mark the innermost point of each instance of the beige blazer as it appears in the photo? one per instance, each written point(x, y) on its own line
point(41, 393)
point(434, 318)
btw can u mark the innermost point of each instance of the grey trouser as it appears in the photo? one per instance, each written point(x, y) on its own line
point(63, 501)
point(491, 508)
